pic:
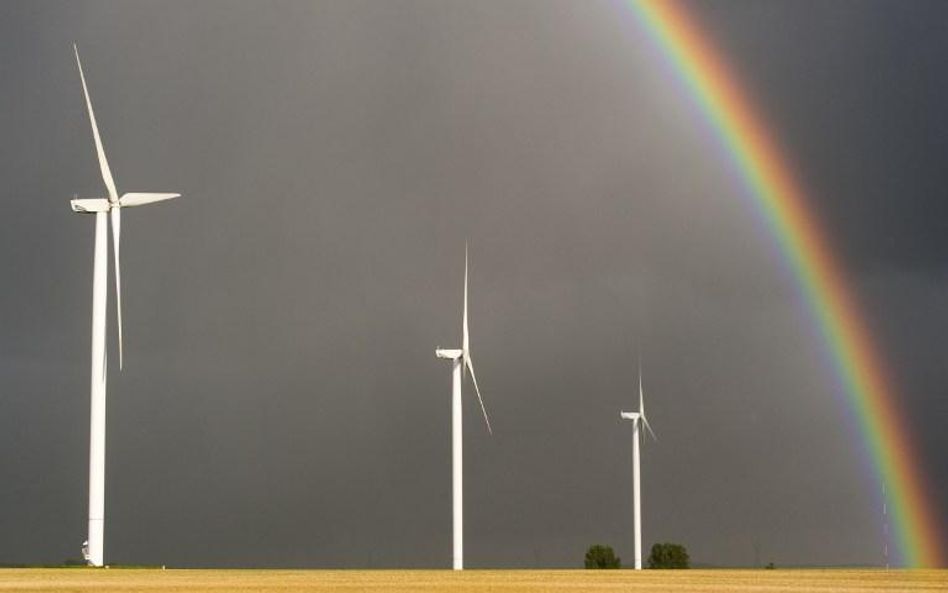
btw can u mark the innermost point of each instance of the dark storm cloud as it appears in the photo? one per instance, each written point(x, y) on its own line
point(281, 403)
point(855, 92)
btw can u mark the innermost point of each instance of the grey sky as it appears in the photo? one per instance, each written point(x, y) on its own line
point(281, 404)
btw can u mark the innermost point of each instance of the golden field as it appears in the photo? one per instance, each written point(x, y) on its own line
point(505, 581)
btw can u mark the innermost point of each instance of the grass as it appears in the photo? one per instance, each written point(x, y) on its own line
point(480, 581)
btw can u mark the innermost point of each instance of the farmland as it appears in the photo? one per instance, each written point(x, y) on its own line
point(501, 581)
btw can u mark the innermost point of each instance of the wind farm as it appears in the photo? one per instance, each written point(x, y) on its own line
point(731, 210)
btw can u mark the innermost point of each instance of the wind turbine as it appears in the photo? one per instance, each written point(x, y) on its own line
point(460, 363)
point(104, 209)
point(637, 418)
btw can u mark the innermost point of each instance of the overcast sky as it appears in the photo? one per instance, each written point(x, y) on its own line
point(281, 403)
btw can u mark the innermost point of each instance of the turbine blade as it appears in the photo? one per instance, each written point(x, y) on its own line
point(140, 199)
point(116, 214)
point(478, 390)
point(103, 162)
point(642, 406)
point(649, 428)
point(641, 395)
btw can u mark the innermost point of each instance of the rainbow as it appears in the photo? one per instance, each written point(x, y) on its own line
point(780, 202)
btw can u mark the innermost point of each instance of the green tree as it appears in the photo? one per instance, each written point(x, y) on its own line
point(668, 556)
point(598, 556)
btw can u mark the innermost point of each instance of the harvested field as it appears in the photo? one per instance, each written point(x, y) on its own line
point(505, 581)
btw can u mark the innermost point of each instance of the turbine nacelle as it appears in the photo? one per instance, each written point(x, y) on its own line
point(90, 205)
point(629, 415)
point(129, 200)
point(449, 353)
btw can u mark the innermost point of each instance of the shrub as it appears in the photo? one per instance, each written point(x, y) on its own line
point(668, 555)
point(599, 556)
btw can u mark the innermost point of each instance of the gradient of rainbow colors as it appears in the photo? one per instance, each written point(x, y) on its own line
point(781, 203)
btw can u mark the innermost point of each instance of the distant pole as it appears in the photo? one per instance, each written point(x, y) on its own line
point(885, 529)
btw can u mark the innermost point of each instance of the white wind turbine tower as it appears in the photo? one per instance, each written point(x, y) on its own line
point(637, 418)
point(103, 208)
point(461, 361)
